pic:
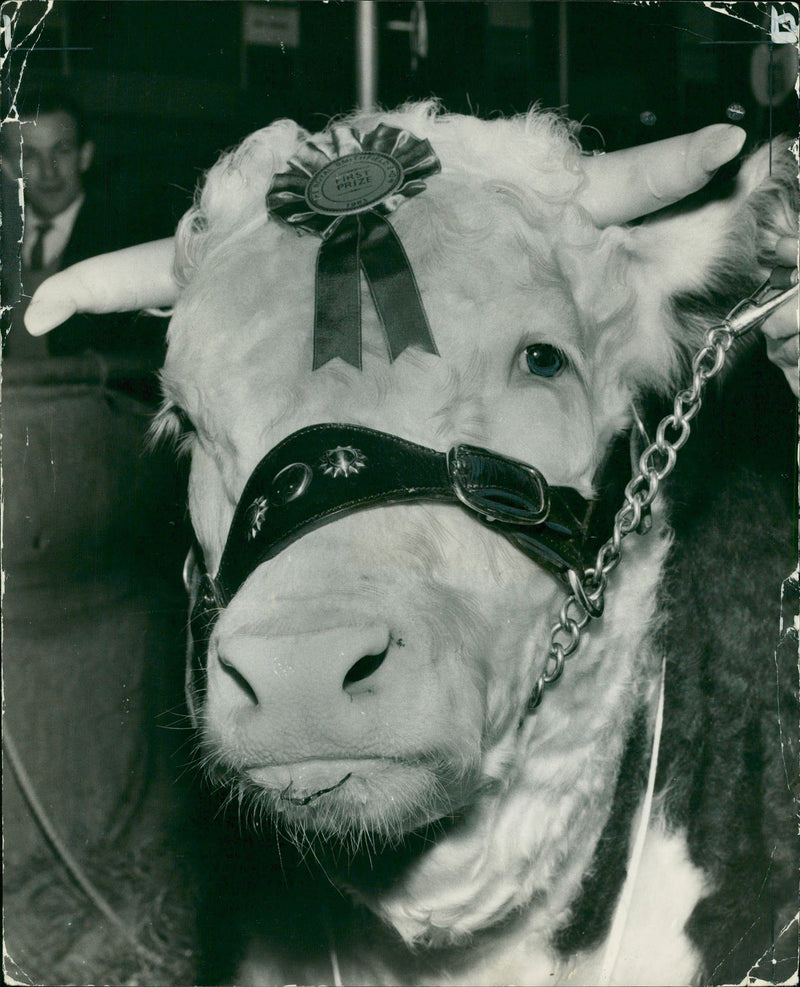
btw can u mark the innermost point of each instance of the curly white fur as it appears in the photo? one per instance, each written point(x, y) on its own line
point(498, 246)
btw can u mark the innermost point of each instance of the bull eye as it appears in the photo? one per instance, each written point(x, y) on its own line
point(184, 421)
point(543, 360)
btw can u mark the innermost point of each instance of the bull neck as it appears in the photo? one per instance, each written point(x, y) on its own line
point(515, 868)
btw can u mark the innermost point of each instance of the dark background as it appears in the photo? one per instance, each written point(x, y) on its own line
point(168, 85)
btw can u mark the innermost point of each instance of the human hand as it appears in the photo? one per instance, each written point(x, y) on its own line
point(782, 330)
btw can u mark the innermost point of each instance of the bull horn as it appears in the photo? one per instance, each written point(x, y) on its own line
point(621, 186)
point(624, 185)
point(123, 281)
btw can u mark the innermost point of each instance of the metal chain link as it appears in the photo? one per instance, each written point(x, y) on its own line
point(587, 599)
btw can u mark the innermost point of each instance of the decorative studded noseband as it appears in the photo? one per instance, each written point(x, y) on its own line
point(324, 472)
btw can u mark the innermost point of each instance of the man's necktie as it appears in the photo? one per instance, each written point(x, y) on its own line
point(37, 254)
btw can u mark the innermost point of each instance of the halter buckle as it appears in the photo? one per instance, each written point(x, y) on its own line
point(498, 488)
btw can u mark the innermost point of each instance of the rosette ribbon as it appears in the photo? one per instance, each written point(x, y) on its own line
point(341, 188)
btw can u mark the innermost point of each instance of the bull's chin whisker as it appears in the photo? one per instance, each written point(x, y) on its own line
point(314, 795)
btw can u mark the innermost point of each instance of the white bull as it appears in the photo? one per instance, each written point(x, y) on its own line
point(370, 682)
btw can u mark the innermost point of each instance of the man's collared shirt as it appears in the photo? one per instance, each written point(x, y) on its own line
point(56, 238)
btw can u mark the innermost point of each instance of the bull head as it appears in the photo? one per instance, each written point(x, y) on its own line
point(371, 677)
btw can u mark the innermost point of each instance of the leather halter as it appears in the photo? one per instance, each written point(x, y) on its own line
point(324, 472)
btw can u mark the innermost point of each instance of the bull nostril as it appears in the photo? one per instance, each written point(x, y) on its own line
point(239, 679)
point(362, 669)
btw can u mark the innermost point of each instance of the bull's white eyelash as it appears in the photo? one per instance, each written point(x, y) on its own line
point(185, 423)
point(172, 425)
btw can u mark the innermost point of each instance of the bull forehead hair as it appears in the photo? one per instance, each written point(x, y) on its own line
point(535, 153)
point(505, 198)
point(499, 225)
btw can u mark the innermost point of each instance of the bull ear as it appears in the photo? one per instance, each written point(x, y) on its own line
point(688, 269)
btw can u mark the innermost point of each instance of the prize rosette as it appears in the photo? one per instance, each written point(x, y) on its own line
point(341, 188)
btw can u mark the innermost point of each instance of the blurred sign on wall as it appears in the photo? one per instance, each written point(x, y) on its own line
point(513, 15)
point(272, 26)
point(270, 41)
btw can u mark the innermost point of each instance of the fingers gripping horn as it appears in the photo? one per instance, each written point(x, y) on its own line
point(123, 281)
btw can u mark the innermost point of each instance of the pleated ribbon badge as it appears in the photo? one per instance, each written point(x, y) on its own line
point(342, 192)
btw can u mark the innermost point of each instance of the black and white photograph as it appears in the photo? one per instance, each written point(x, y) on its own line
point(400, 493)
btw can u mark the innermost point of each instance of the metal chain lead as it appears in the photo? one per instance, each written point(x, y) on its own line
point(587, 599)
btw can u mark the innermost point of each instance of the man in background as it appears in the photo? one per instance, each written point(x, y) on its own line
point(66, 220)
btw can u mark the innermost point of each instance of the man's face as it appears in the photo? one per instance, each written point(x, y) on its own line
point(53, 162)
